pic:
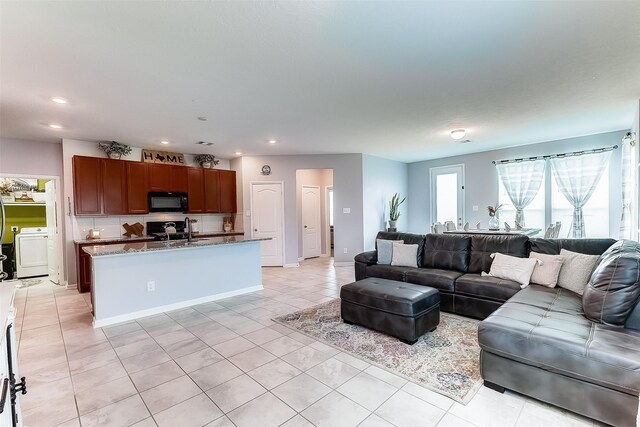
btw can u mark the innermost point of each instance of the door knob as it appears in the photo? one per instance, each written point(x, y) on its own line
point(305, 226)
point(255, 229)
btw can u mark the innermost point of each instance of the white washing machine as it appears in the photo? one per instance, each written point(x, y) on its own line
point(31, 252)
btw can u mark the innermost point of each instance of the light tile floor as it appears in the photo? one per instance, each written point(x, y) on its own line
point(226, 363)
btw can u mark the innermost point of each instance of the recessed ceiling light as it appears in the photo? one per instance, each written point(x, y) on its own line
point(458, 133)
point(238, 153)
point(55, 126)
point(58, 100)
point(272, 141)
point(164, 142)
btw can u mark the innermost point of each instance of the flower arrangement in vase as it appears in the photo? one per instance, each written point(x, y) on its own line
point(206, 160)
point(494, 223)
point(114, 149)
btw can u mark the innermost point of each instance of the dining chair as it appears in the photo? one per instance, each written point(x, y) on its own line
point(556, 230)
point(438, 228)
point(450, 225)
point(548, 234)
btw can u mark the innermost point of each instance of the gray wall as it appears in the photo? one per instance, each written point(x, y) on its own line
point(381, 179)
point(347, 184)
point(481, 178)
point(30, 158)
point(635, 127)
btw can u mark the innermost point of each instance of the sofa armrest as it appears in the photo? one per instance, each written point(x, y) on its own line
point(367, 258)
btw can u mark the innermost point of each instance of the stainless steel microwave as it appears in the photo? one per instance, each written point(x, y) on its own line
point(168, 202)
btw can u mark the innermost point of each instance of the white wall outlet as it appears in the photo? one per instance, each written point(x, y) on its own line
point(346, 210)
point(345, 251)
point(14, 228)
point(475, 208)
point(247, 213)
point(151, 286)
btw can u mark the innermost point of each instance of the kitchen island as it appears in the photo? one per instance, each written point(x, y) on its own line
point(140, 279)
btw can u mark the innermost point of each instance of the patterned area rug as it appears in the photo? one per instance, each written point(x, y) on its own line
point(446, 361)
point(25, 283)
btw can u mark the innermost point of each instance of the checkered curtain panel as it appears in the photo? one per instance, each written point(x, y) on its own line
point(627, 189)
point(577, 178)
point(522, 180)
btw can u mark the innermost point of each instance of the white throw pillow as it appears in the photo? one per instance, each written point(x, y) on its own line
point(404, 255)
point(512, 268)
point(547, 271)
point(385, 250)
point(576, 270)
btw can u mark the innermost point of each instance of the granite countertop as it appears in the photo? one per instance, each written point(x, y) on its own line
point(124, 239)
point(136, 247)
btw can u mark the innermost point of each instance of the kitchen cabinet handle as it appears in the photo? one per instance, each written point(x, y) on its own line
point(3, 397)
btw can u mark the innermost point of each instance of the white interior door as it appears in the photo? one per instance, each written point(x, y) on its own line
point(53, 233)
point(447, 195)
point(311, 218)
point(266, 221)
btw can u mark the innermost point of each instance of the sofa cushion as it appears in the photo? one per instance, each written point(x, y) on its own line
point(583, 246)
point(482, 246)
point(447, 251)
point(387, 272)
point(512, 268)
point(385, 251)
point(442, 280)
point(576, 270)
point(614, 288)
point(545, 328)
point(486, 287)
point(547, 271)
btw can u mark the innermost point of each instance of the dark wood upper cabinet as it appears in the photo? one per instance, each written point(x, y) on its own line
point(159, 178)
point(87, 185)
point(196, 190)
point(137, 188)
point(211, 190)
point(228, 202)
point(178, 179)
point(114, 187)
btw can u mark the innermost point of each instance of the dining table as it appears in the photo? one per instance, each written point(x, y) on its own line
point(530, 232)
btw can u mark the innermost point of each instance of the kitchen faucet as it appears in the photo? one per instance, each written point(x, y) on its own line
point(187, 223)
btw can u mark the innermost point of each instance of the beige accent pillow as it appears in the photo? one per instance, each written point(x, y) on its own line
point(576, 270)
point(385, 250)
point(512, 268)
point(404, 255)
point(547, 271)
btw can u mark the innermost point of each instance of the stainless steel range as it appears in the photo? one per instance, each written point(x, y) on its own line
point(166, 230)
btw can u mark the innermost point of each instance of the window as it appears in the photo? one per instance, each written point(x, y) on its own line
point(595, 211)
point(534, 214)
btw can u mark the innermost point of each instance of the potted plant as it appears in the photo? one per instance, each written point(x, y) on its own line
point(115, 150)
point(394, 210)
point(494, 223)
point(206, 160)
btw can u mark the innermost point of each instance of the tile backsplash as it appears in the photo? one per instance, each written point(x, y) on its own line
point(111, 226)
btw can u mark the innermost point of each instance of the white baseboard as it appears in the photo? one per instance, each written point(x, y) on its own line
point(292, 265)
point(170, 307)
point(324, 255)
point(300, 258)
point(72, 285)
point(343, 264)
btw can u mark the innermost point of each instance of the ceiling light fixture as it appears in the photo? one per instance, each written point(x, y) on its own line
point(55, 126)
point(208, 144)
point(272, 141)
point(164, 142)
point(202, 118)
point(58, 100)
point(238, 153)
point(458, 134)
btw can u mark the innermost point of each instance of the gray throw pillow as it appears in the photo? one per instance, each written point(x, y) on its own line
point(404, 255)
point(385, 250)
point(576, 270)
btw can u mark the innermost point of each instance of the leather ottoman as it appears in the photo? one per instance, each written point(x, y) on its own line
point(403, 310)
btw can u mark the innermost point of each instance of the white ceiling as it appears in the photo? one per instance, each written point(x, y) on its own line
point(383, 78)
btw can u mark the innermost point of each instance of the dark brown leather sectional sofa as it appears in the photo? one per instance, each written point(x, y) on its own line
point(539, 341)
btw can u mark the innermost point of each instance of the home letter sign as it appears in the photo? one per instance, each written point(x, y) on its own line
point(152, 156)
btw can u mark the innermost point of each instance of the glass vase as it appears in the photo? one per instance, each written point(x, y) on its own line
point(494, 223)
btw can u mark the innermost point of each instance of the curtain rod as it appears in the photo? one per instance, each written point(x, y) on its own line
point(554, 156)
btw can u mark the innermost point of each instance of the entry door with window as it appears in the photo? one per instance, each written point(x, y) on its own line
point(447, 194)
